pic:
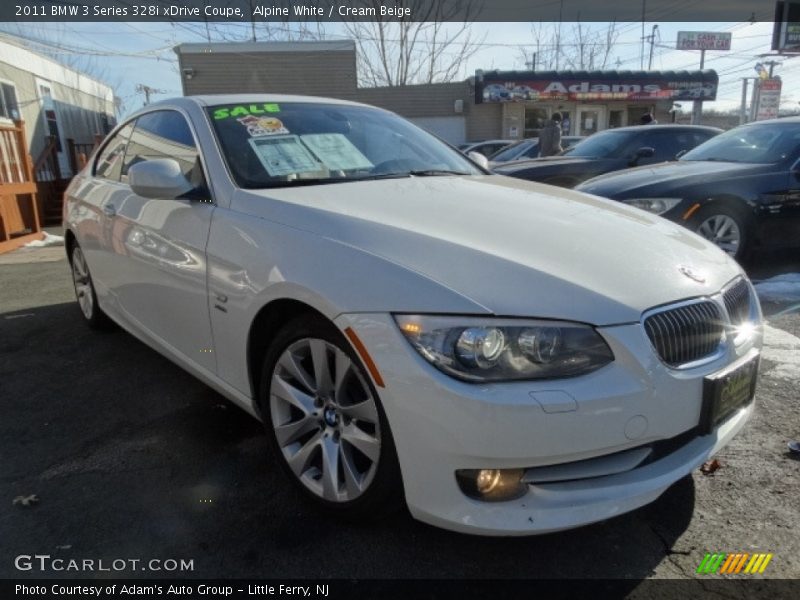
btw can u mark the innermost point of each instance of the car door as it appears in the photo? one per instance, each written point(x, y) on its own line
point(779, 199)
point(159, 245)
point(96, 191)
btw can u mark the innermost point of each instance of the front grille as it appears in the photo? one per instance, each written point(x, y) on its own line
point(686, 333)
point(737, 302)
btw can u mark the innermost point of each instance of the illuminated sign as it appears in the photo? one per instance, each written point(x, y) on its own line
point(786, 32)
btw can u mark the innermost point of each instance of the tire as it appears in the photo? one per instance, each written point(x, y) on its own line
point(726, 226)
point(340, 421)
point(84, 291)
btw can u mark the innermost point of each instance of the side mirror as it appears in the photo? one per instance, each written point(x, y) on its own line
point(644, 152)
point(479, 158)
point(160, 178)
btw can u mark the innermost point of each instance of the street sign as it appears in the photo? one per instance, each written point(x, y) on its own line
point(704, 40)
point(768, 99)
point(786, 31)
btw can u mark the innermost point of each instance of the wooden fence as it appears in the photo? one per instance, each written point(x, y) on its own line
point(19, 213)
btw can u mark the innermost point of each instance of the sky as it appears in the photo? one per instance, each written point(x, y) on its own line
point(126, 54)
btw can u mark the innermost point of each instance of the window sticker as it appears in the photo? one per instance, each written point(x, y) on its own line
point(227, 112)
point(336, 151)
point(285, 155)
point(257, 126)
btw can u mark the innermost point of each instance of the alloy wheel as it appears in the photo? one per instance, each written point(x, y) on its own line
point(325, 420)
point(83, 283)
point(723, 231)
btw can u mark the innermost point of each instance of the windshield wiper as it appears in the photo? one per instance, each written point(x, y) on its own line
point(435, 172)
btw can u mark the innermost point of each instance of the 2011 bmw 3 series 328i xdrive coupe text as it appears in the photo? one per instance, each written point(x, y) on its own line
point(506, 357)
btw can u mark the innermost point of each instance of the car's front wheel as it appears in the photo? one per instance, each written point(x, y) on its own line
point(325, 421)
point(84, 290)
point(724, 226)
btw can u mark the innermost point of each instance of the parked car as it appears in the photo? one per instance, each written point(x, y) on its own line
point(610, 150)
point(505, 366)
point(486, 147)
point(740, 190)
point(496, 93)
point(528, 148)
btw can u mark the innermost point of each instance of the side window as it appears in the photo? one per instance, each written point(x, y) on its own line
point(700, 137)
point(163, 134)
point(109, 161)
point(666, 144)
point(531, 151)
point(8, 102)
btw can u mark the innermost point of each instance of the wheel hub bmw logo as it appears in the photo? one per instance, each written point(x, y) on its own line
point(330, 416)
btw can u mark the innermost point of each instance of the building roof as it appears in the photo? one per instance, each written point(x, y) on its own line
point(250, 47)
point(15, 53)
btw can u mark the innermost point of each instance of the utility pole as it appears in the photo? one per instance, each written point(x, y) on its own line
point(641, 52)
point(652, 39)
point(558, 34)
point(743, 108)
point(772, 64)
point(697, 107)
point(147, 91)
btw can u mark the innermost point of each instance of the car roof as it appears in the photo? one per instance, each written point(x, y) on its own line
point(217, 99)
point(668, 126)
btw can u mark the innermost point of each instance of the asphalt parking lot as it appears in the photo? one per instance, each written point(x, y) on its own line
point(129, 456)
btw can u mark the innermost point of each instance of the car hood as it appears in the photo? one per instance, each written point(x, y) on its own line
point(514, 248)
point(681, 173)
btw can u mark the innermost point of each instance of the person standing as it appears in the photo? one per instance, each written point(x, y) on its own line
point(648, 119)
point(550, 136)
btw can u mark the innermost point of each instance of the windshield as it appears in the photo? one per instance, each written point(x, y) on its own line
point(601, 145)
point(514, 150)
point(268, 144)
point(760, 144)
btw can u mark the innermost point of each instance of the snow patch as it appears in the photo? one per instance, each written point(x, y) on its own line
point(779, 289)
point(47, 240)
point(783, 348)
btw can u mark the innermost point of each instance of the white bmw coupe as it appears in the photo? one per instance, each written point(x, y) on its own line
point(506, 357)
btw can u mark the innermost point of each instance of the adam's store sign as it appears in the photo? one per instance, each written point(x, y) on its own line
point(591, 88)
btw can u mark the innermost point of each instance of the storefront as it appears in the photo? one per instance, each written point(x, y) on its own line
point(490, 105)
point(589, 101)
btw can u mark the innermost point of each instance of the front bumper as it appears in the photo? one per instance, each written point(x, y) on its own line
point(441, 425)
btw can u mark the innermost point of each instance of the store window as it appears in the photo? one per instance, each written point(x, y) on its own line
point(616, 118)
point(535, 120)
point(566, 122)
point(8, 102)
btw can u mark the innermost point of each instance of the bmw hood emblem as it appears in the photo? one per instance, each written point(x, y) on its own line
point(692, 274)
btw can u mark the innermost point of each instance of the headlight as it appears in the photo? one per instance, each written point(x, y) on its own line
point(653, 205)
point(486, 349)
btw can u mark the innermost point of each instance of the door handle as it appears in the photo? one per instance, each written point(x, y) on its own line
point(109, 210)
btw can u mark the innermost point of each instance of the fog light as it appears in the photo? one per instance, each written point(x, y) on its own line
point(487, 480)
point(491, 485)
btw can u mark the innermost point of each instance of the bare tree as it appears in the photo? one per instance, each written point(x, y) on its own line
point(582, 48)
point(393, 51)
